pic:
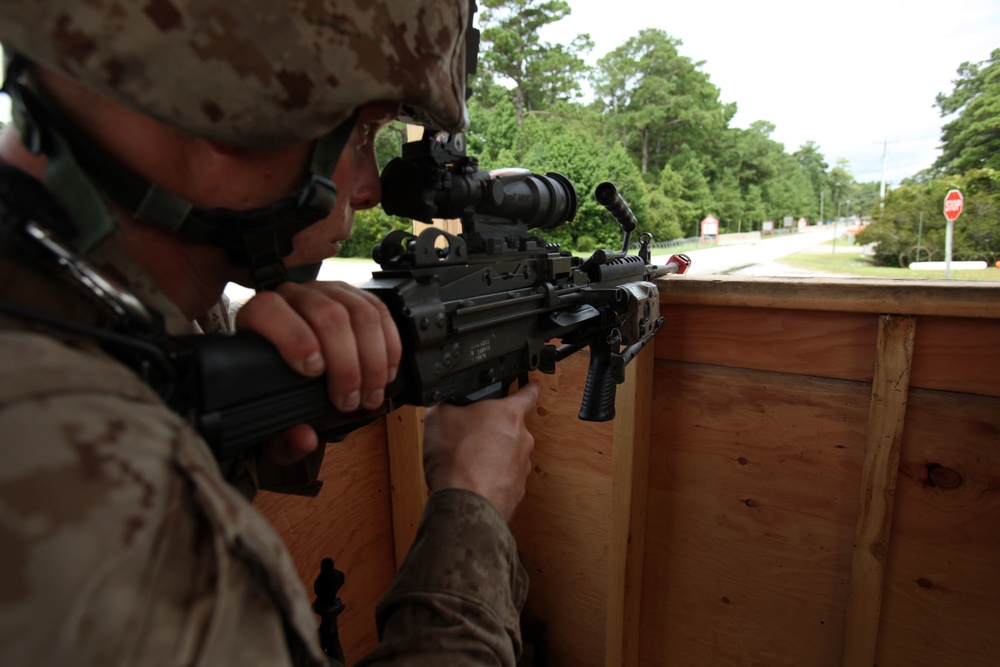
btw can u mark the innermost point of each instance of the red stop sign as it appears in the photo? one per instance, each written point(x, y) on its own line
point(953, 202)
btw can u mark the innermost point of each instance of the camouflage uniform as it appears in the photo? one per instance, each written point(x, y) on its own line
point(123, 544)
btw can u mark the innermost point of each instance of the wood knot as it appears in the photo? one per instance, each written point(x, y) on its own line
point(942, 477)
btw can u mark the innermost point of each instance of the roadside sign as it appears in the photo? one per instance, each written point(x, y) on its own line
point(953, 202)
point(710, 227)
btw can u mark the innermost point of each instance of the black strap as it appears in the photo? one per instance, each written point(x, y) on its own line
point(79, 172)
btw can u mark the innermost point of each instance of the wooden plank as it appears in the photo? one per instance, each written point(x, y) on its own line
point(750, 521)
point(852, 295)
point(562, 526)
point(821, 344)
point(405, 435)
point(629, 478)
point(349, 521)
point(941, 603)
point(957, 355)
point(890, 389)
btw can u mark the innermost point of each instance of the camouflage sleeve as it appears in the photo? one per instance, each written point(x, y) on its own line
point(457, 598)
point(121, 544)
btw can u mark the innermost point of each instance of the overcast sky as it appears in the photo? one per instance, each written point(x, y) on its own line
point(847, 74)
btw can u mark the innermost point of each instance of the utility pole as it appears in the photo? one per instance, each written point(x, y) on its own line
point(885, 162)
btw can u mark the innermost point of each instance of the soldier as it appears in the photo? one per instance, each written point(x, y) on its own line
point(179, 146)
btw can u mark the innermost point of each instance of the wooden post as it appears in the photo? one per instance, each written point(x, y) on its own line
point(629, 479)
point(405, 430)
point(890, 387)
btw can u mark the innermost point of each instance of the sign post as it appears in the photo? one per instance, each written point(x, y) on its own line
point(953, 202)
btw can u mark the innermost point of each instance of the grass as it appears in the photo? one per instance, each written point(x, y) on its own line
point(848, 261)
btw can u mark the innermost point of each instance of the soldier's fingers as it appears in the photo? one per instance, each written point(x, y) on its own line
point(375, 338)
point(270, 315)
point(292, 445)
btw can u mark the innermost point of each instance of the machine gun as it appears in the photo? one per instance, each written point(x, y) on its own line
point(476, 311)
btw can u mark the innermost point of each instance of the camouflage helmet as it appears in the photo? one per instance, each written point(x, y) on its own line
point(253, 72)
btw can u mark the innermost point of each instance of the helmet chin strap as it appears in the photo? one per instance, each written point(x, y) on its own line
point(78, 174)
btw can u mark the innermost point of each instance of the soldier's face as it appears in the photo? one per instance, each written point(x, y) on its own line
point(358, 188)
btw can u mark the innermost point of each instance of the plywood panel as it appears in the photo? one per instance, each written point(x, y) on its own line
point(629, 481)
point(349, 521)
point(753, 486)
point(945, 298)
point(823, 344)
point(941, 604)
point(957, 355)
point(563, 524)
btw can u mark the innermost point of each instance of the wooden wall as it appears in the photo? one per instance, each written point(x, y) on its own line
point(824, 477)
point(801, 473)
point(350, 521)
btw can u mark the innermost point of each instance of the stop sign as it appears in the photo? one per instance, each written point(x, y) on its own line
point(953, 202)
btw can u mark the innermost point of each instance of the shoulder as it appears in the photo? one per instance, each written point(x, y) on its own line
point(117, 527)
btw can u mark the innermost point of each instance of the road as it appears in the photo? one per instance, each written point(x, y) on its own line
point(752, 259)
point(755, 259)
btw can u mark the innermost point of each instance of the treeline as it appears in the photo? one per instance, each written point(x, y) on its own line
point(653, 124)
point(912, 225)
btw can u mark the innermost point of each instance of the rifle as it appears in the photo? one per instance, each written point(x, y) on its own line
point(476, 311)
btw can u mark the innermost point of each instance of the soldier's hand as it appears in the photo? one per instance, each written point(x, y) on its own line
point(333, 328)
point(483, 447)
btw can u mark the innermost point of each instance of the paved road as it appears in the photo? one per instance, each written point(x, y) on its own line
point(755, 259)
point(758, 258)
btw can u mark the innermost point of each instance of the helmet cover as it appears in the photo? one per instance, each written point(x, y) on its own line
point(253, 72)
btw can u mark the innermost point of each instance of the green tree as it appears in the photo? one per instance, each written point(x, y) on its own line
point(659, 97)
point(812, 162)
point(370, 225)
point(839, 184)
point(542, 73)
point(911, 227)
point(972, 139)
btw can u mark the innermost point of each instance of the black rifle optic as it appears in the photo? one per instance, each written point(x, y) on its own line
point(476, 311)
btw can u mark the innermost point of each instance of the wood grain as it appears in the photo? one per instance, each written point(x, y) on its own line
point(941, 603)
point(629, 477)
point(947, 298)
point(563, 524)
point(890, 389)
point(821, 344)
point(753, 485)
point(349, 521)
point(405, 433)
point(957, 355)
